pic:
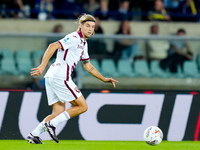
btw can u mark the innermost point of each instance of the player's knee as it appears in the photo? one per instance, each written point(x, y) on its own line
point(84, 108)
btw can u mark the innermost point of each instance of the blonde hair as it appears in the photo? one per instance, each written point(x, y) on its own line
point(84, 18)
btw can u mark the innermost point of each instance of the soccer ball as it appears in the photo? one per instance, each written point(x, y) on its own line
point(153, 135)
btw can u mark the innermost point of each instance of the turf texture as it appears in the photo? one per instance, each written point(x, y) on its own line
point(97, 145)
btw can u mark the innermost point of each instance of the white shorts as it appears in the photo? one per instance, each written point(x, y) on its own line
point(61, 90)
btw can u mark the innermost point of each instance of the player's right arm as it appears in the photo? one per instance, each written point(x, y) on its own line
point(45, 59)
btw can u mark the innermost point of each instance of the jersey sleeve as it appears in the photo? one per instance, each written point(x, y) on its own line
point(85, 55)
point(67, 42)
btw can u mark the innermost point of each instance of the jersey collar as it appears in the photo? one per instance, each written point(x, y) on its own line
point(80, 34)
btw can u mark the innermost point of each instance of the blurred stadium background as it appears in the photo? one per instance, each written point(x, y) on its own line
point(30, 38)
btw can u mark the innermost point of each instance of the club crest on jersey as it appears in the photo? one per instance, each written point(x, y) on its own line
point(77, 89)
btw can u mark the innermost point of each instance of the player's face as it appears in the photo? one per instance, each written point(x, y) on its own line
point(87, 29)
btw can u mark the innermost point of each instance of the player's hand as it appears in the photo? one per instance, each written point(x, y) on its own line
point(111, 80)
point(37, 71)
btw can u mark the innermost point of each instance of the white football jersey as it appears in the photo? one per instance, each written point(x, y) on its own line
point(73, 50)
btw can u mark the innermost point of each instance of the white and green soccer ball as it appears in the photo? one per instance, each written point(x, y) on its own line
point(153, 135)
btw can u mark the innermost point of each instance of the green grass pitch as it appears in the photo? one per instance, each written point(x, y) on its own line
point(97, 145)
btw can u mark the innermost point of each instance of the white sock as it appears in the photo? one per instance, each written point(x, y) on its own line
point(39, 129)
point(64, 116)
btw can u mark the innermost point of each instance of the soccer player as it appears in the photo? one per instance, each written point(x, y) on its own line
point(59, 86)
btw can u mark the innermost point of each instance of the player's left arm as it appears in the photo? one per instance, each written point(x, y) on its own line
point(92, 70)
point(45, 59)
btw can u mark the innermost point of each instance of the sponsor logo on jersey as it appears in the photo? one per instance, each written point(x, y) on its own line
point(80, 47)
point(56, 64)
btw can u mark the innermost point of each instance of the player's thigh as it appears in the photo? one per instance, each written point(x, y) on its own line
point(51, 95)
point(66, 91)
